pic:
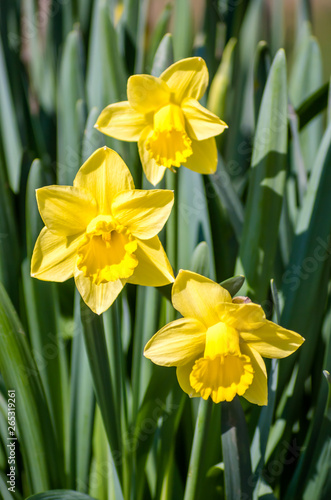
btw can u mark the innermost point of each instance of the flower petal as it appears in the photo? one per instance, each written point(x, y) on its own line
point(202, 124)
point(147, 93)
point(54, 256)
point(66, 210)
point(153, 267)
point(273, 341)
point(257, 392)
point(177, 343)
point(98, 297)
point(204, 157)
point(153, 171)
point(187, 78)
point(195, 296)
point(104, 174)
point(243, 317)
point(121, 121)
point(183, 376)
point(144, 213)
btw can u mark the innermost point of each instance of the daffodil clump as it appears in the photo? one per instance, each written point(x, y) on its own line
point(163, 114)
point(102, 231)
point(218, 345)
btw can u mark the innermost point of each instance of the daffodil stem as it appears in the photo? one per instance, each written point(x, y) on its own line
point(96, 348)
point(198, 450)
point(172, 224)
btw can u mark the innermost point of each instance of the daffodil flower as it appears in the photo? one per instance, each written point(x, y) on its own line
point(102, 231)
point(163, 114)
point(218, 345)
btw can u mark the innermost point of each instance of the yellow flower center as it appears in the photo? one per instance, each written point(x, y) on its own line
point(107, 252)
point(169, 145)
point(223, 371)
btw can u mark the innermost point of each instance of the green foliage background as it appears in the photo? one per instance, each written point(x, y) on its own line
point(93, 416)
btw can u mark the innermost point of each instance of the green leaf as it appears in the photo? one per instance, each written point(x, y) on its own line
point(70, 90)
point(60, 495)
point(307, 77)
point(9, 128)
point(82, 408)
point(236, 456)
point(217, 96)
point(9, 245)
point(158, 35)
point(266, 188)
point(262, 64)
point(200, 261)
point(164, 55)
point(96, 349)
point(197, 458)
point(313, 105)
point(34, 427)
point(106, 78)
point(183, 29)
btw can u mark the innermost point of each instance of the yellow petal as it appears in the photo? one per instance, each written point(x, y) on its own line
point(144, 213)
point(121, 121)
point(153, 171)
point(257, 392)
point(204, 157)
point(187, 78)
point(147, 93)
point(66, 210)
point(104, 174)
point(98, 297)
point(177, 343)
point(195, 296)
point(202, 124)
point(273, 341)
point(243, 317)
point(54, 256)
point(183, 376)
point(153, 267)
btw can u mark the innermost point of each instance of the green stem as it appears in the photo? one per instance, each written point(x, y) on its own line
point(96, 349)
point(198, 450)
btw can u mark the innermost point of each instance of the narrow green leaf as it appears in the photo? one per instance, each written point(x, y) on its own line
point(34, 428)
point(313, 105)
point(236, 456)
point(70, 90)
point(106, 78)
point(9, 130)
point(60, 495)
point(266, 188)
point(9, 245)
point(197, 458)
point(200, 261)
point(183, 29)
point(164, 55)
point(96, 348)
point(217, 96)
point(158, 34)
point(262, 64)
point(82, 409)
point(306, 78)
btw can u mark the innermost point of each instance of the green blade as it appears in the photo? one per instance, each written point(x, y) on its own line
point(266, 188)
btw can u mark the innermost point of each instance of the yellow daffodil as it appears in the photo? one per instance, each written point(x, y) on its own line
point(163, 114)
point(218, 345)
point(102, 231)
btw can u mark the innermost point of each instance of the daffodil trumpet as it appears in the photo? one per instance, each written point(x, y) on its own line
point(218, 345)
point(164, 116)
point(102, 231)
